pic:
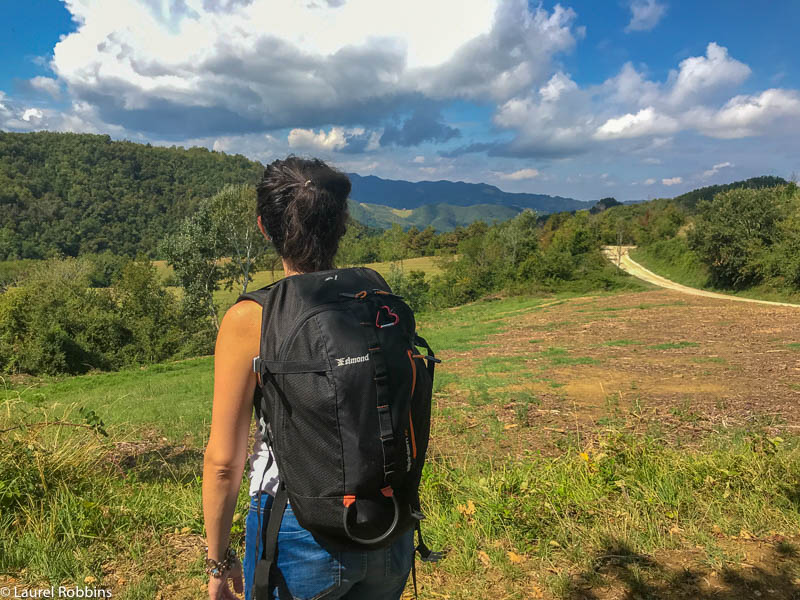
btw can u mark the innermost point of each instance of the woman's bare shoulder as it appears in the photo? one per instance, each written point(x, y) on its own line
point(242, 321)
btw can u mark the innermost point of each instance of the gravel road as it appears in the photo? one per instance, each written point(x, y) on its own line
point(619, 255)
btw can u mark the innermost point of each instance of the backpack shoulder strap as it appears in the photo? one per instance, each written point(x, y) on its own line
point(376, 277)
point(259, 295)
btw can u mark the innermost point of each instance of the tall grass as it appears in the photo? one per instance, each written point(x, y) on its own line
point(78, 502)
point(75, 503)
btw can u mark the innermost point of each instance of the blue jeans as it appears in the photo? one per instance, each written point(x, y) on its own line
point(314, 573)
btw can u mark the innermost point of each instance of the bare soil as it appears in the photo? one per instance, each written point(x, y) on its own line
point(688, 365)
point(681, 365)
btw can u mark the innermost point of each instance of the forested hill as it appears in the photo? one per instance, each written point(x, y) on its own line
point(76, 193)
point(689, 200)
point(409, 195)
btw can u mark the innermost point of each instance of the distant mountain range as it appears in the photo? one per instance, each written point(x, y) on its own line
point(442, 217)
point(443, 205)
point(410, 195)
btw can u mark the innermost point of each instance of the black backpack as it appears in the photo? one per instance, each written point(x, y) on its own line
point(346, 396)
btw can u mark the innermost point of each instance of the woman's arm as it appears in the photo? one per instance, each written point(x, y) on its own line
point(226, 453)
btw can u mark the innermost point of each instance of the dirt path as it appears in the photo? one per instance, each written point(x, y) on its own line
point(620, 256)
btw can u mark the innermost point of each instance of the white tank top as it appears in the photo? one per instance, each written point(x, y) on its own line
point(263, 468)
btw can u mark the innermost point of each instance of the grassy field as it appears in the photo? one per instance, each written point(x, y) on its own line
point(638, 445)
point(225, 298)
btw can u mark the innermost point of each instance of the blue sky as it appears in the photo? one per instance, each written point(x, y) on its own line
point(630, 98)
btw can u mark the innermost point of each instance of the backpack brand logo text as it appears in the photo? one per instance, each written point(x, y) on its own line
point(351, 360)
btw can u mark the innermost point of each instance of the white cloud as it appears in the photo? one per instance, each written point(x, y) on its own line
point(515, 54)
point(652, 161)
point(554, 121)
point(308, 139)
point(518, 175)
point(716, 169)
point(46, 84)
point(645, 15)
point(419, 159)
point(672, 181)
point(214, 67)
point(629, 86)
point(745, 116)
point(645, 122)
point(697, 79)
point(32, 115)
point(649, 181)
point(699, 76)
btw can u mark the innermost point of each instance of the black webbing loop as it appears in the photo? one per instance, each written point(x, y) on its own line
point(425, 553)
point(262, 585)
point(431, 358)
point(383, 393)
point(414, 570)
point(268, 376)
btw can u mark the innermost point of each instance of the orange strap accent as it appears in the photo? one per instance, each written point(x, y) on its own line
point(348, 500)
point(387, 491)
point(413, 387)
point(361, 295)
point(382, 292)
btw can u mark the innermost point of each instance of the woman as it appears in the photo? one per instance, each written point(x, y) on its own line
point(302, 210)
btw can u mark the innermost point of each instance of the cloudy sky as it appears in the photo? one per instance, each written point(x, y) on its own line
point(630, 98)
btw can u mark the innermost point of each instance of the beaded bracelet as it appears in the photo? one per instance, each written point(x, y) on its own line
point(218, 568)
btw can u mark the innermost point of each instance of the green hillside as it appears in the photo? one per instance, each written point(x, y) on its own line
point(691, 199)
point(442, 217)
point(70, 194)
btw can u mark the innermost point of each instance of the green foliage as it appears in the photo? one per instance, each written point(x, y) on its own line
point(691, 199)
point(106, 266)
point(392, 244)
point(70, 194)
point(195, 252)
point(149, 312)
point(218, 245)
point(233, 214)
point(53, 322)
point(736, 234)
point(358, 246)
point(412, 286)
point(14, 270)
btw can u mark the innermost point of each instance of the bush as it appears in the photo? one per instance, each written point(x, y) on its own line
point(53, 322)
point(736, 232)
point(412, 286)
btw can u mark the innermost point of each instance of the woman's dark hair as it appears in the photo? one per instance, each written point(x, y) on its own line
point(303, 206)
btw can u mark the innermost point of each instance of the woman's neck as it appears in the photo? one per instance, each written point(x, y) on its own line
point(289, 270)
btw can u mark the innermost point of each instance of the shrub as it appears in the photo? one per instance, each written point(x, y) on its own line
point(412, 286)
point(53, 322)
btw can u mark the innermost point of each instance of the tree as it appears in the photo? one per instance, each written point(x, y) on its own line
point(195, 252)
point(393, 244)
point(734, 233)
point(148, 311)
point(233, 214)
point(519, 236)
